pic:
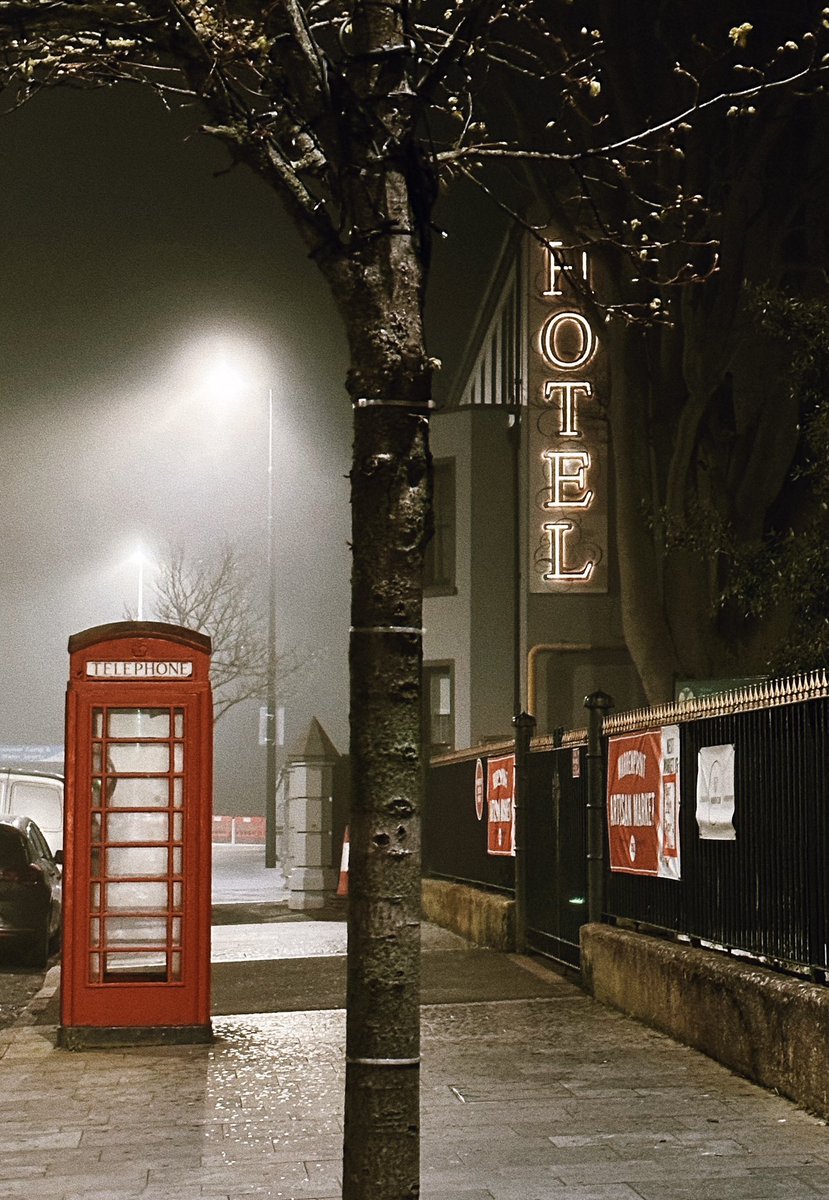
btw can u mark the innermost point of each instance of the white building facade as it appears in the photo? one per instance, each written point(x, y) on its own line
point(522, 608)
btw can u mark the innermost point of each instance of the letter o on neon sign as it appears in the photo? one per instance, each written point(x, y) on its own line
point(551, 334)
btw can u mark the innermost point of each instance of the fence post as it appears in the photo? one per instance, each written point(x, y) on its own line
point(524, 725)
point(597, 704)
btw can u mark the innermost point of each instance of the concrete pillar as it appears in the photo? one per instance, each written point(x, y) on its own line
point(281, 804)
point(312, 879)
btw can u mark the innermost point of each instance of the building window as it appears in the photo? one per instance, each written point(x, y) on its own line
point(439, 560)
point(438, 708)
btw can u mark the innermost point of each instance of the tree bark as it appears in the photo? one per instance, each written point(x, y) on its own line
point(389, 502)
point(390, 384)
point(646, 629)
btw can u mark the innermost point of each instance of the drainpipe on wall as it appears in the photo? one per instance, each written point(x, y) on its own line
point(524, 725)
point(597, 704)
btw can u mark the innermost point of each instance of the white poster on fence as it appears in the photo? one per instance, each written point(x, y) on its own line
point(715, 793)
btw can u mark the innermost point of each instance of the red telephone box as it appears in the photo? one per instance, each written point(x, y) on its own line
point(137, 841)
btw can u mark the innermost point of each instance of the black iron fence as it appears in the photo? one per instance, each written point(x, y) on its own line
point(454, 836)
point(764, 894)
point(556, 857)
point(455, 839)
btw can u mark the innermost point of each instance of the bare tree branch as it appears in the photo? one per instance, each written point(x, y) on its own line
point(217, 594)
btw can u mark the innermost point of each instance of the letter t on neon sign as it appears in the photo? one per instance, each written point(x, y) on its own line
point(569, 391)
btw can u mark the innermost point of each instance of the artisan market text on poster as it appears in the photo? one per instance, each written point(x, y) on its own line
point(643, 803)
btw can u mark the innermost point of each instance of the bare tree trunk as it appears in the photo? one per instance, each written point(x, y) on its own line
point(389, 500)
point(390, 387)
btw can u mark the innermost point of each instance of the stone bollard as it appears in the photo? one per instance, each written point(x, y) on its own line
point(311, 878)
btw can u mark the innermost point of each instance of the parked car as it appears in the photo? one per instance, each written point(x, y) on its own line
point(35, 795)
point(30, 891)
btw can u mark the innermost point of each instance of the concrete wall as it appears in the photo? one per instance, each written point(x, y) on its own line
point(771, 1028)
point(565, 678)
point(493, 597)
point(475, 628)
point(484, 918)
point(446, 618)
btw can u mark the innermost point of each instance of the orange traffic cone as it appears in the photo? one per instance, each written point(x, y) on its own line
point(342, 886)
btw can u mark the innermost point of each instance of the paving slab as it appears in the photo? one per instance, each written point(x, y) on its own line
point(550, 1097)
point(296, 984)
point(241, 877)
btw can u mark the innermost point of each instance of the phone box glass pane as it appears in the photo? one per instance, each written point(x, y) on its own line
point(138, 722)
point(135, 931)
point(139, 793)
point(139, 758)
point(136, 827)
point(137, 897)
point(152, 964)
point(130, 861)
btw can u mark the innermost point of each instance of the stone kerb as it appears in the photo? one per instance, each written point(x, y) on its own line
point(771, 1028)
point(308, 820)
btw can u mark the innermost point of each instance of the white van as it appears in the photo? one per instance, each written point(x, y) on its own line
point(37, 796)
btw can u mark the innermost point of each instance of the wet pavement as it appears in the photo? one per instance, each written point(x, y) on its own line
point(18, 985)
point(539, 1096)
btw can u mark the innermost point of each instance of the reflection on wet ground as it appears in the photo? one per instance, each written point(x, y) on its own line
point(18, 984)
point(552, 1099)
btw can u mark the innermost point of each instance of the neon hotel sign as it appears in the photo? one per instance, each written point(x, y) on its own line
point(568, 434)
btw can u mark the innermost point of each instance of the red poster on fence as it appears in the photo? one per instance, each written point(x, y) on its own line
point(500, 795)
point(643, 803)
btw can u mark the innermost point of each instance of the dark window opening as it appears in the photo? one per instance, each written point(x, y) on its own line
point(439, 560)
point(438, 708)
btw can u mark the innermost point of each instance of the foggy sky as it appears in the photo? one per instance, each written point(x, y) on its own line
point(126, 262)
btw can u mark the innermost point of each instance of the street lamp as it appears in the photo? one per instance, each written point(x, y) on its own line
point(224, 382)
point(270, 766)
point(140, 560)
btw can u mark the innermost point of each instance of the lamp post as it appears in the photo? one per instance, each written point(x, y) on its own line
point(270, 725)
point(140, 560)
point(226, 385)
